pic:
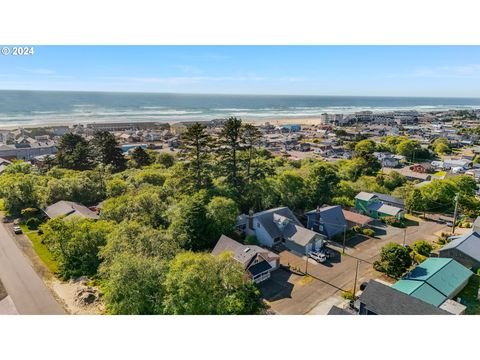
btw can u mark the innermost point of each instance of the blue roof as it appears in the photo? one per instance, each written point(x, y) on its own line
point(332, 219)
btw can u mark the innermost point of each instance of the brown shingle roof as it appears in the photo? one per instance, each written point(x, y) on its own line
point(356, 218)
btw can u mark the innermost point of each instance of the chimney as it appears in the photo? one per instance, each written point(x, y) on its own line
point(317, 218)
point(250, 219)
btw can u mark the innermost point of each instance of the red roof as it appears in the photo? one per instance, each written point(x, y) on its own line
point(356, 218)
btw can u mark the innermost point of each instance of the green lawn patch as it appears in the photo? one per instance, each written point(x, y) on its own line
point(41, 249)
point(469, 295)
point(440, 173)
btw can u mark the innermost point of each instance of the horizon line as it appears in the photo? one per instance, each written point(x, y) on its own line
point(240, 94)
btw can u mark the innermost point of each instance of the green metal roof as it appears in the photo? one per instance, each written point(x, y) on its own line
point(407, 286)
point(434, 280)
point(421, 290)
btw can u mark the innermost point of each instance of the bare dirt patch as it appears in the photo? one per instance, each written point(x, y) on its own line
point(78, 298)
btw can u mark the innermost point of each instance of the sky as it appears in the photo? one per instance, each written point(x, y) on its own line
point(430, 71)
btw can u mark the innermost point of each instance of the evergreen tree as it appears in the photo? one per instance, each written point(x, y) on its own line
point(140, 157)
point(74, 153)
point(107, 151)
point(250, 136)
point(230, 145)
point(197, 145)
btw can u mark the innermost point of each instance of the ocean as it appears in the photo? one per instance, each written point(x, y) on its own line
point(26, 108)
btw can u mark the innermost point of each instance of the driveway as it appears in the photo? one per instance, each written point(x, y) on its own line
point(287, 293)
point(25, 288)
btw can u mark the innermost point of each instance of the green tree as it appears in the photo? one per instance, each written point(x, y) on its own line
point(394, 260)
point(202, 284)
point(140, 157)
point(165, 159)
point(116, 187)
point(132, 284)
point(365, 147)
point(321, 183)
point(251, 136)
point(442, 146)
point(19, 191)
point(415, 201)
point(229, 140)
point(422, 247)
point(409, 148)
point(222, 213)
point(134, 237)
point(189, 222)
point(291, 190)
point(107, 151)
point(74, 152)
point(197, 146)
point(75, 243)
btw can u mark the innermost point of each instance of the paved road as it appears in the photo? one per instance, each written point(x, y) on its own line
point(27, 290)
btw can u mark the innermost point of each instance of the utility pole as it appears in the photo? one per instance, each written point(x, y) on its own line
point(455, 214)
point(404, 235)
point(356, 275)
point(306, 264)
point(344, 237)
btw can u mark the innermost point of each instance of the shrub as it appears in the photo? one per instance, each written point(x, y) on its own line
point(348, 295)
point(251, 240)
point(393, 221)
point(357, 229)
point(29, 212)
point(32, 223)
point(394, 260)
point(422, 247)
point(368, 232)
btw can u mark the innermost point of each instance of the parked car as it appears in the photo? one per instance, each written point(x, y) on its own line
point(17, 229)
point(6, 220)
point(449, 223)
point(325, 252)
point(318, 257)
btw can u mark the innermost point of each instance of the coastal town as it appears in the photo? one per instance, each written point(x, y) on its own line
point(365, 213)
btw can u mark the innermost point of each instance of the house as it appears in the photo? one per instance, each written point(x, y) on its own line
point(280, 226)
point(258, 262)
point(465, 249)
point(69, 209)
point(409, 174)
point(328, 221)
point(454, 163)
point(356, 219)
point(422, 168)
point(3, 164)
point(370, 204)
point(435, 281)
point(380, 299)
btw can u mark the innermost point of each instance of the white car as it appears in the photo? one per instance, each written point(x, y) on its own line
point(318, 257)
point(17, 230)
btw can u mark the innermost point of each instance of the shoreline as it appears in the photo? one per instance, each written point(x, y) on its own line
point(274, 121)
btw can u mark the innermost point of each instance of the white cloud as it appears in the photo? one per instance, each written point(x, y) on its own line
point(444, 71)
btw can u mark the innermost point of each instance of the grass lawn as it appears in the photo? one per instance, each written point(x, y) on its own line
point(41, 249)
point(469, 296)
point(440, 173)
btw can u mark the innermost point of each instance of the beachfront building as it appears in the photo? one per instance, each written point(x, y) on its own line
point(27, 150)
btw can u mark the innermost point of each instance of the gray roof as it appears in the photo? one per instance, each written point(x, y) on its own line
point(298, 234)
point(384, 300)
point(68, 209)
point(241, 253)
point(385, 209)
point(390, 199)
point(332, 219)
point(468, 244)
point(266, 220)
point(365, 196)
point(335, 310)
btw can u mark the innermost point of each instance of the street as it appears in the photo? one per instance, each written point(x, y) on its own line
point(287, 294)
point(25, 288)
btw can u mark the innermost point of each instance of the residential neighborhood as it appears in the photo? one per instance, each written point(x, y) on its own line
point(346, 216)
